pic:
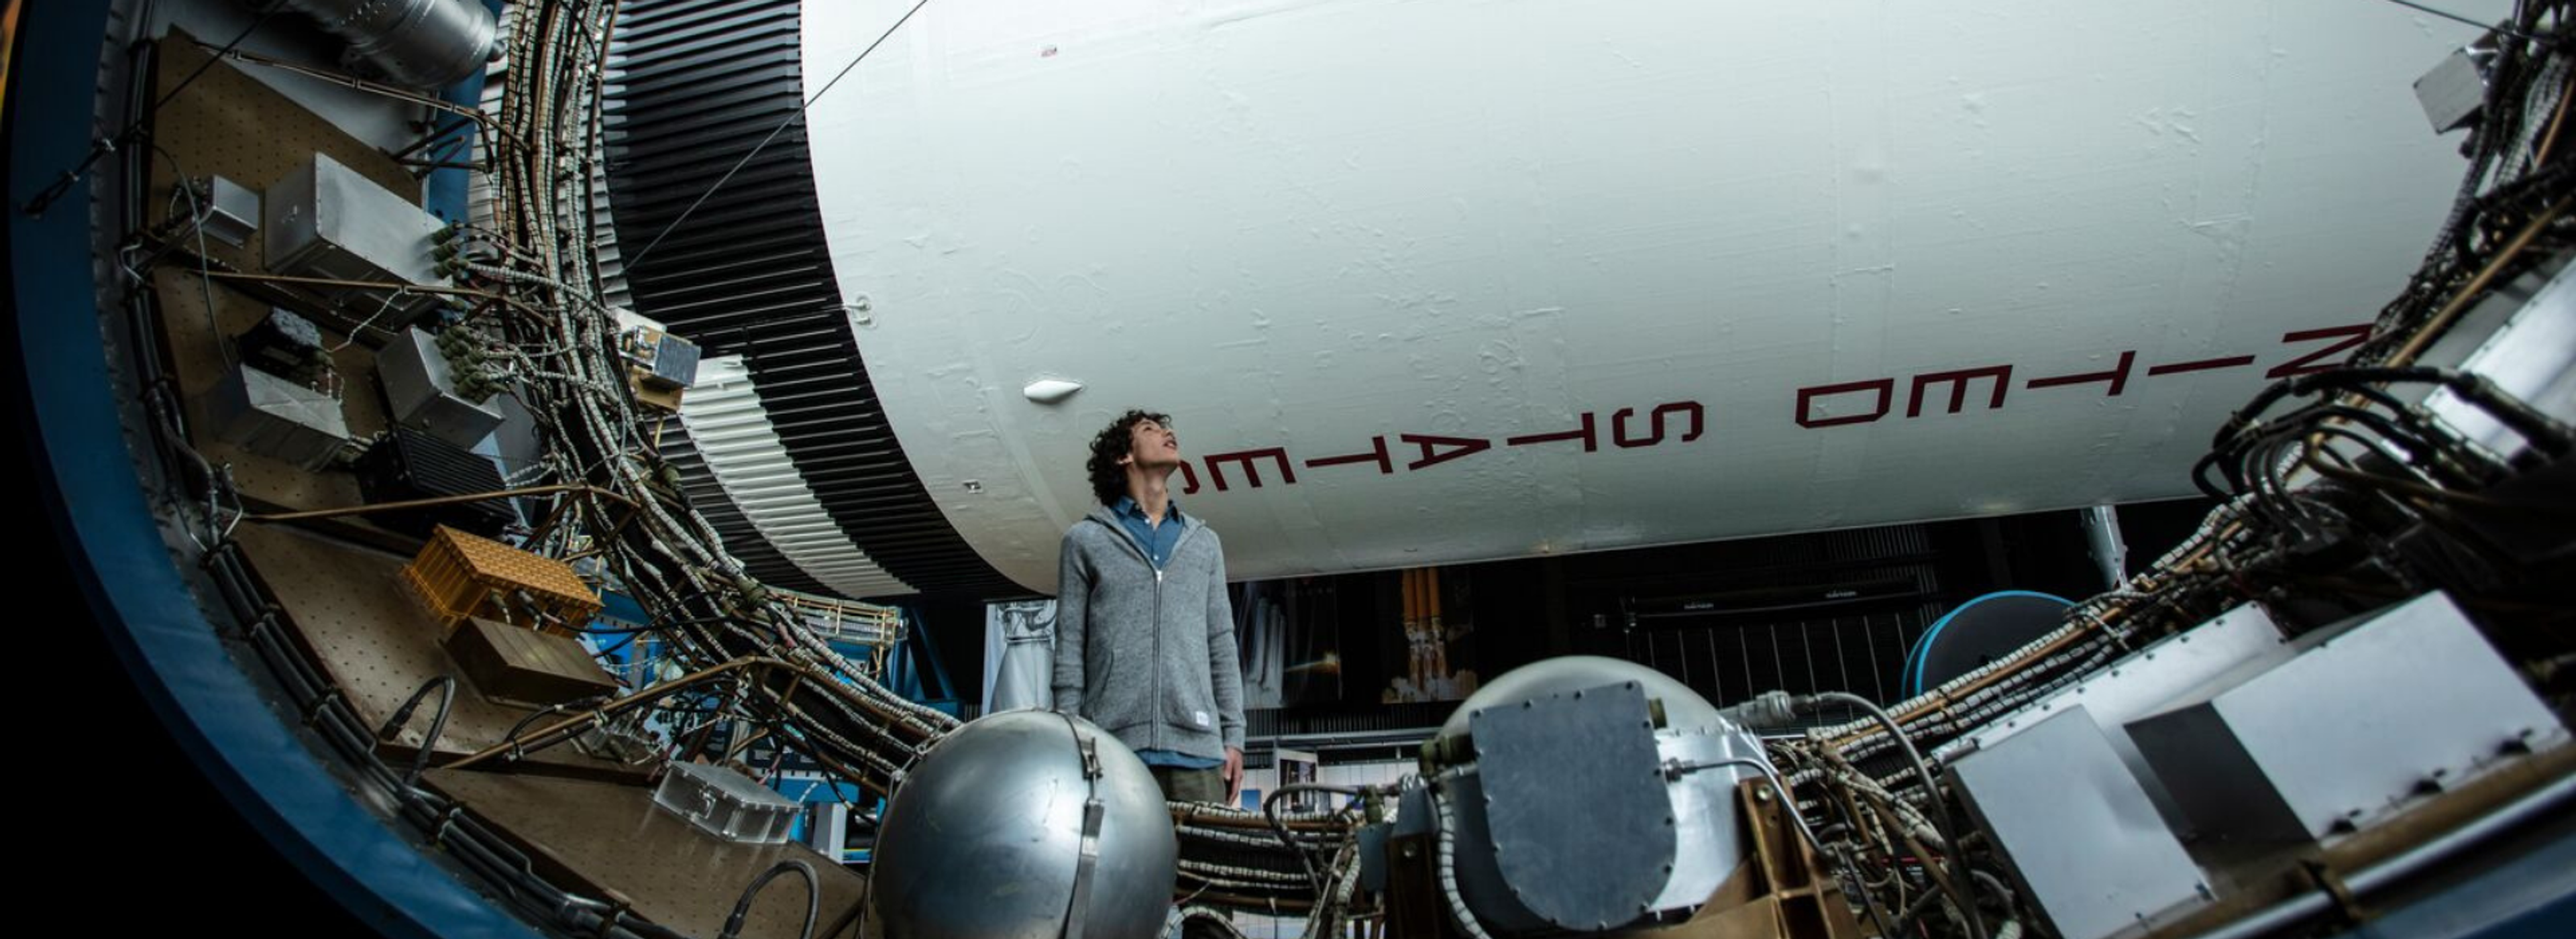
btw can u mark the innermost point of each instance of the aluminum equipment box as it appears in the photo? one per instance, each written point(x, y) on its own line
point(2368, 718)
point(725, 803)
point(277, 417)
point(421, 392)
point(325, 220)
point(2085, 842)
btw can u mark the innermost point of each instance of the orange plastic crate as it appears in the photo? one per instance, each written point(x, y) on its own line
point(458, 575)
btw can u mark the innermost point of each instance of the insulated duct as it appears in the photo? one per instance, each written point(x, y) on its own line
point(423, 43)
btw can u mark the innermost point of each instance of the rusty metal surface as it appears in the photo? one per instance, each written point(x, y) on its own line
point(613, 840)
point(348, 606)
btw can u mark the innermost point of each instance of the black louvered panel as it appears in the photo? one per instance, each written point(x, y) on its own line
point(740, 539)
point(699, 84)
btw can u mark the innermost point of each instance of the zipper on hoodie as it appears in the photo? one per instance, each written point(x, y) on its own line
point(1156, 737)
point(1158, 628)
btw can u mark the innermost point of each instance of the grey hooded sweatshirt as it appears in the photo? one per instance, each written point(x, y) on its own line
point(1148, 655)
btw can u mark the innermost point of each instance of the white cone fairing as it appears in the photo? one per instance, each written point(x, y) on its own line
point(1434, 281)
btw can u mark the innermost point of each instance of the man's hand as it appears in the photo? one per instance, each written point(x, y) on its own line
point(1233, 775)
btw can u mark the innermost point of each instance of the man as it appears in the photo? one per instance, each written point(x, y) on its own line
point(1144, 632)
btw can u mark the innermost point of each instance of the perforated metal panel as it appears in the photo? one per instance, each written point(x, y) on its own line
point(379, 645)
point(230, 125)
point(612, 838)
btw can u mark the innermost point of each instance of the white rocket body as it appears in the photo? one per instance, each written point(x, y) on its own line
point(1445, 280)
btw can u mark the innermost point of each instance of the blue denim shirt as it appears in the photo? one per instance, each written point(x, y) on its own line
point(1158, 541)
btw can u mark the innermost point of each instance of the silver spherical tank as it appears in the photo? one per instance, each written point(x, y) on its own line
point(1512, 870)
point(1008, 821)
point(1684, 709)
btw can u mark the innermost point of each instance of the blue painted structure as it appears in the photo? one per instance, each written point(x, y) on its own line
point(445, 195)
point(96, 516)
point(88, 491)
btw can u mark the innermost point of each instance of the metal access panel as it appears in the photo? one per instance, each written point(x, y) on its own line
point(324, 220)
point(2368, 717)
point(1574, 799)
point(2084, 841)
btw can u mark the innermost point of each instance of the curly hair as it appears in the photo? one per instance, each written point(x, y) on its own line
point(1108, 478)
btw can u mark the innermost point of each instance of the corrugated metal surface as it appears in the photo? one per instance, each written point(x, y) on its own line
point(739, 447)
point(698, 84)
point(740, 539)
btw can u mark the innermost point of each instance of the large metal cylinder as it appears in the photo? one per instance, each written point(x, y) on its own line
point(986, 839)
point(1454, 280)
point(427, 43)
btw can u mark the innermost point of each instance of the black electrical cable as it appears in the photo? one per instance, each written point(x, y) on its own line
point(445, 685)
point(615, 647)
point(455, 121)
point(2456, 18)
point(2543, 432)
point(2426, 443)
point(813, 898)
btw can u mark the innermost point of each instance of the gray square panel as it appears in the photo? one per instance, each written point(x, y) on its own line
point(2087, 845)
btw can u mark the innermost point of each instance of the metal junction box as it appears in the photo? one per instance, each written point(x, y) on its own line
point(2084, 840)
point(2143, 683)
point(277, 417)
point(2369, 717)
point(725, 803)
point(422, 394)
point(2454, 91)
point(325, 220)
point(231, 211)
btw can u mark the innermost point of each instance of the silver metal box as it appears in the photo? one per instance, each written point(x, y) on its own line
point(277, 417)
point(232, 211)
point(325, 220)
point(827, 827)
point(423, 396)
point(2089, 849)
point(2144, 683)
point(725, 803)
point(2453, 91)
point(2367, 718)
